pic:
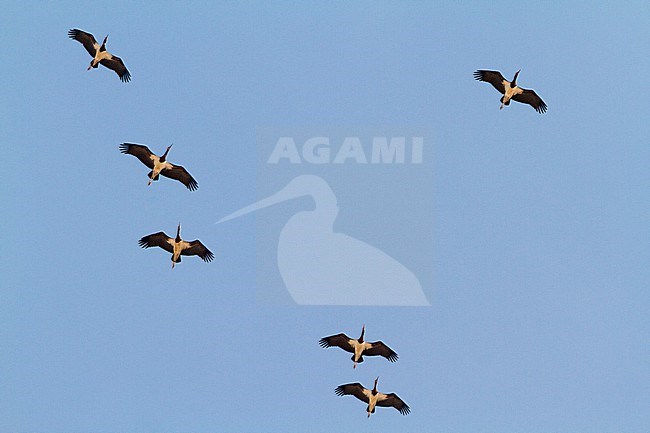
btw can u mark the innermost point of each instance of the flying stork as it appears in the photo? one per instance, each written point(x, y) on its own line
point(177, 246)
point(159, 165)
point(359, 347)
point(99, 53)
point(511, 90)
point(373, 397)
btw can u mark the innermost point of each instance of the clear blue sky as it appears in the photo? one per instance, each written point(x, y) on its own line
point(539, 318)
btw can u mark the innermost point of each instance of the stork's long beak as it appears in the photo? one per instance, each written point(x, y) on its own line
point(178, 230)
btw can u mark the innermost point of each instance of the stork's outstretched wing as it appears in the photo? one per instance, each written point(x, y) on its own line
point(159, 239)
point(355, 389)
point(139, 151)
point(196, 248)
point(338, 340)
point(392, 400)
point(493, 77)
point(116, 64)
point(531, 98)
point(179, 173)
point(86, 39)
point(379, 348)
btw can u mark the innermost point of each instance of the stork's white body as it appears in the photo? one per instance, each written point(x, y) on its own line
point(373, 399)
point(358, 349)
point(158, 167)
point(510, 92)
point(99, 56)
point(178, 248)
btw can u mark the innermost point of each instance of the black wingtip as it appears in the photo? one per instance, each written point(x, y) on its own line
point(323, 343)
point(340, 390)
point(143, 242)
point(192, 185)
point(208, 257)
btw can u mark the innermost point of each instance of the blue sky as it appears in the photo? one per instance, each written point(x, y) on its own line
point(539, 318)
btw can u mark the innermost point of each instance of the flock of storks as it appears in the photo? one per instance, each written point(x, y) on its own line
point(179, 247)
point(360, 348)
point(158, 164)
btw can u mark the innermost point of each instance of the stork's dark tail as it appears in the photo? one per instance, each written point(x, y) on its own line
point(359, 361)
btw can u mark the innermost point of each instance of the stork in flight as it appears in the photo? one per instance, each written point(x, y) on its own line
point(510, 90)
point(100, 55)
point(373, 397)
point(359, 347)
point(177, 246)
point(159, 165)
